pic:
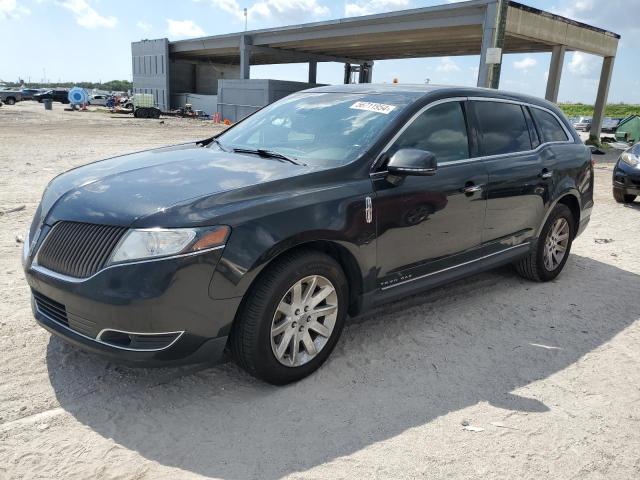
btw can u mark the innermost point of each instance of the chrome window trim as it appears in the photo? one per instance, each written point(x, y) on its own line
point(530, 105)
point(97, 340)
point(411, 120)
point(454, 266)
point(66, 278)
point(570, 139)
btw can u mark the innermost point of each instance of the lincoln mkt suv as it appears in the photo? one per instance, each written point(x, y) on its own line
point(259, 242)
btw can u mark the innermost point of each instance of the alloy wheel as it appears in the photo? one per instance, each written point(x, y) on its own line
point(304, 320)
point(556, 244)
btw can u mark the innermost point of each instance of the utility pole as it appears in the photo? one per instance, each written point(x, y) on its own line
point(245, 19)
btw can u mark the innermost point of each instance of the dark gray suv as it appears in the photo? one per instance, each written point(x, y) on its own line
point(328, 202)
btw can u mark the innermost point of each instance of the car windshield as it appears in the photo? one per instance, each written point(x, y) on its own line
point(317, 128)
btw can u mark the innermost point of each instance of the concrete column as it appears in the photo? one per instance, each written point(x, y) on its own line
point(245, 57)
point(493, 32)
point(347, 73)
point(313, 72)
point(555, 73)
point(601, 99)
point(366, 72)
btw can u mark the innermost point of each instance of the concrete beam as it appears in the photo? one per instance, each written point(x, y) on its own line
point(299, 57)
point(555, 73)
point(245, 57)
point(313, 72)
point(601, 99)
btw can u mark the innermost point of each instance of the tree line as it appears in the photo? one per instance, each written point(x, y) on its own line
point(111, 86)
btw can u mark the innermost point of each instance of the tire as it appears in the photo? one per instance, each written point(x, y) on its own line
point(10, 101)
point(620, 197)
point(254, 343)
point(534, 266)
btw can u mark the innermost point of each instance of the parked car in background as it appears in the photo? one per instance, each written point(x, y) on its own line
point(583, 124)
point(626, 175)
point(98, 99)
point(10, 96)
point(29, 93)
point(325, 203)
point(61, 96)
point(610, 124)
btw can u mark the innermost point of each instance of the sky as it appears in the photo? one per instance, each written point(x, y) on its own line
point(90, 40)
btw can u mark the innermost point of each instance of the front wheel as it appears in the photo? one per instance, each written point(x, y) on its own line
point(292, 318)
point(552, 248)
point(10, 101)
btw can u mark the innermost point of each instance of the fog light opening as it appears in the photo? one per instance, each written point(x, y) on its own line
point(113, 337)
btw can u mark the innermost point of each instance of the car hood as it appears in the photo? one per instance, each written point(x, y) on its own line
point(120, 190)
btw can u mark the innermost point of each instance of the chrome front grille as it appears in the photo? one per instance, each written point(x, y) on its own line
point(77, 249)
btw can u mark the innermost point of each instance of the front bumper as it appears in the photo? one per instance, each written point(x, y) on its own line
point(163, 306)
point(626, 178)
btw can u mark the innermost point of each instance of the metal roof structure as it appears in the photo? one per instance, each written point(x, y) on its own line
point(462, 28)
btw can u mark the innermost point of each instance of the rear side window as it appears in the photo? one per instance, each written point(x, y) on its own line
point(441, 130)
point(548, 126)
point(503, 128)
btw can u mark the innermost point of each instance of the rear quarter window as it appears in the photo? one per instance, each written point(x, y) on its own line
point(548, 126)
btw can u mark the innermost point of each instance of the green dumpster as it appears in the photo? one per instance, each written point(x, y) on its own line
point(629, 129)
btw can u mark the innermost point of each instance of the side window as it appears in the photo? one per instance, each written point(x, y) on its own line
point(442, 130)
point(548, 126)
point(503, 128)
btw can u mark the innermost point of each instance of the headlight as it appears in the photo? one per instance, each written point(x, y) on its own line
point(630, 159)
point(144, 244)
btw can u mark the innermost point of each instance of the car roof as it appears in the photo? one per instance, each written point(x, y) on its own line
point(417, 91)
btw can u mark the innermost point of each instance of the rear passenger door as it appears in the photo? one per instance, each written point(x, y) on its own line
point(517, 190)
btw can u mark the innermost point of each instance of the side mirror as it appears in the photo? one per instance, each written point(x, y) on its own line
point(411, 161)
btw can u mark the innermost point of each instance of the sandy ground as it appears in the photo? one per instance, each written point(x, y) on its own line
point(548, 372)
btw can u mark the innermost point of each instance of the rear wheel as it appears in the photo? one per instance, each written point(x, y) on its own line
point(10, 101)
point(292, 318)
point(552, 248)
point(620, 197)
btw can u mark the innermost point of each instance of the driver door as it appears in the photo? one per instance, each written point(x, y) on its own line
point(429, 223)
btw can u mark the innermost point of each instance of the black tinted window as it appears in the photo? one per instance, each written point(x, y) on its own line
point(441, 130)
point(503, 128)
point(549, 127)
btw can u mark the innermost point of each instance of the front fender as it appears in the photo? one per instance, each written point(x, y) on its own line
point(253, 245)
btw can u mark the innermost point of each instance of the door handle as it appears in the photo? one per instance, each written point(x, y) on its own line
point(546, 174)
point(472, 188)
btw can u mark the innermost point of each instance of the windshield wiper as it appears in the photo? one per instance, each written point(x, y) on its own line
point(269, 154)
point(208, 141)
